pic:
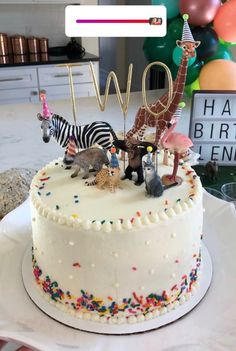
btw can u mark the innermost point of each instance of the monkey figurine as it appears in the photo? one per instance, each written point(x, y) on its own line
point(211, 170)
point(136, 149)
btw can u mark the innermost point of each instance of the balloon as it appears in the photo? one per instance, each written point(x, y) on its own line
point(178, 54)
point(209, 42)
point(159, 49)
point(201, 12)
point(192, 72)
point(225, 21)
point(218, 75)
point(226, 43)
point(172, 7)
point(221, 53)
point(191, 87)
point(175, 28)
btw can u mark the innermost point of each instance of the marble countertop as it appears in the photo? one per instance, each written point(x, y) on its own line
point(21, 141)
point(42, 59)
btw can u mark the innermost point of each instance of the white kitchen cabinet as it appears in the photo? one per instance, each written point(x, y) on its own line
point(24, 83)
point(11, 78)
point(63, 91)
point(59, 75)
point(19, 95)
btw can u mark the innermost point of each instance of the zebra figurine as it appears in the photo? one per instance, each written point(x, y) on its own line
point(85, 136)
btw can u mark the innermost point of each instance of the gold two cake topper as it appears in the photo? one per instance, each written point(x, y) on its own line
point(112, 76)
point(71, 83)
point(170, 90)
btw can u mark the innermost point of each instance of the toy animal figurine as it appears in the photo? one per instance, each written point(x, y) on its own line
point(136, 149)
point(211, 170)
point(106, 177)
point(143, 118)
point(154, 186)
point(93, 157)
point(176, 142)
point(85, 136)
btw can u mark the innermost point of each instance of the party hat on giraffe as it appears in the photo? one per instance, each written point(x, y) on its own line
point(187, 34)
point(114, 160)
point(71, 147)
point(46, 112)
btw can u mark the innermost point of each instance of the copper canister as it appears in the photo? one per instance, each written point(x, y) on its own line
point(3, 44)
point(33, 45)
point(4, 59)
point(20, 58)
point(43, 43)
point(19, 45)
point(44, 57)
point(34, 57)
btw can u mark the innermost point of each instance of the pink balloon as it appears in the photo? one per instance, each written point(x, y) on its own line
point(201, 12)
point(225, 21)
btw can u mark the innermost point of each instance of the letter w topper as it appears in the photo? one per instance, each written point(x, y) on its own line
point(213, 125)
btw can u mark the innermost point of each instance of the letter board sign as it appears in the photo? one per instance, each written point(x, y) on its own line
point(213, 126)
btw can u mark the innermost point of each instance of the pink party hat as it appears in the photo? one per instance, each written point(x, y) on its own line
point(46, 113)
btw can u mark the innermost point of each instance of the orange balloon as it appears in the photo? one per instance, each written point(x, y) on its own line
point(225, 21)
point(218, 75)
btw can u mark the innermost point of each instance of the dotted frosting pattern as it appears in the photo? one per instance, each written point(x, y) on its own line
point(40, 192)
point(139, 307)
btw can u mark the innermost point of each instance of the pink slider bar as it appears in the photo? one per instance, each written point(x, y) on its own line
point(117, 21)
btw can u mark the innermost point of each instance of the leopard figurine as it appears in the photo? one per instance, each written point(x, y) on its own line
point(106, 177)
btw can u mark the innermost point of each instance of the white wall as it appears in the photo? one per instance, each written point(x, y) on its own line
point(41, 20)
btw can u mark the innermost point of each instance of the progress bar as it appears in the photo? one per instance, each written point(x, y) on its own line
point(158, 21)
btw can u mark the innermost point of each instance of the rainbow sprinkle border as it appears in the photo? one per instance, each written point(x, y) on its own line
point(131, 306)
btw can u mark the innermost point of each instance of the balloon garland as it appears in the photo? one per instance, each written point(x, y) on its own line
point(213, 23)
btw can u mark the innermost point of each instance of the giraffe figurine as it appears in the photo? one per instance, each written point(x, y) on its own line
point(145, 119)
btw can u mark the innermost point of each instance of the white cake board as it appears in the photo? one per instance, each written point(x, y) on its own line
point(100, 328)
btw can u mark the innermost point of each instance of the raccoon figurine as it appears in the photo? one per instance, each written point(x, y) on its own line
point(154, 186)
point(94, 157)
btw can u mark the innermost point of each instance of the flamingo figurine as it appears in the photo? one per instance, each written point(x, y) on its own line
point(177, 142)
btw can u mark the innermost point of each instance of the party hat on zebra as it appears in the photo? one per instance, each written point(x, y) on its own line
point(187, 34)
point(114, 160)
point(71, 147)
point(46, 112)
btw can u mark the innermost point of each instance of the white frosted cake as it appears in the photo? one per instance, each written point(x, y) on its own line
point(115, 257)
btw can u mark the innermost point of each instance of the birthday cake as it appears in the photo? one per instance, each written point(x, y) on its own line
point(111, 250)
point(115, 257)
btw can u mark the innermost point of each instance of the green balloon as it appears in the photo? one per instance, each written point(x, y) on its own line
point(178, 54)
point(191, 87)
point(222, 53)
point(226, 43)
point(192, 72)
point(172, 6)
point(175, 29)
point(159, 49)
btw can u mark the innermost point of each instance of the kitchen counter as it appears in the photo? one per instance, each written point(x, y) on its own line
point(14, 61)
point(21, 141)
